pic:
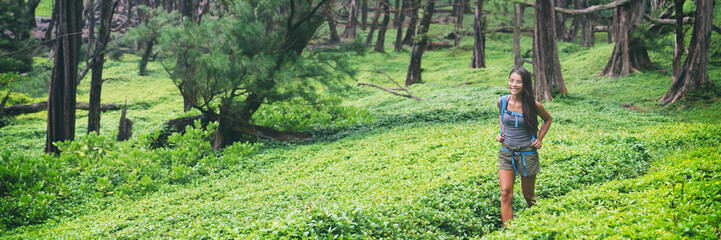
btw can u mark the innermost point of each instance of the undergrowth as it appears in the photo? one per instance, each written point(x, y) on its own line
point(377, 166)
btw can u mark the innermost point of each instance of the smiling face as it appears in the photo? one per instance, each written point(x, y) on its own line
point(515, 84)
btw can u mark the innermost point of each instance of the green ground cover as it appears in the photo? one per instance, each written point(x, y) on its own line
point(378, 166)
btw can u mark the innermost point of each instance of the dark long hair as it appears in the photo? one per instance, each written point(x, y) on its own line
point(528, 101)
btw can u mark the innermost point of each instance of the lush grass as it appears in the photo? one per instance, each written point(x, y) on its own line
point(678, 199)
point(378, 166)
point(45, 8)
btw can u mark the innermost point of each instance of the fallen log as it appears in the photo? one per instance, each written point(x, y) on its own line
point(510, 30)
point(179, 125)
point(43, 106)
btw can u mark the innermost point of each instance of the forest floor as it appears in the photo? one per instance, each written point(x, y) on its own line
point(382, 166)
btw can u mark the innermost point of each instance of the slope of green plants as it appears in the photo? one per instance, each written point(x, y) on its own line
point(680, 198)
point(378, 165)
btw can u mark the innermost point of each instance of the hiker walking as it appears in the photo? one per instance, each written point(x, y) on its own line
point(520, 139)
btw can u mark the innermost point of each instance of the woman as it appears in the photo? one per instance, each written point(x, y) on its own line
point(519, 138)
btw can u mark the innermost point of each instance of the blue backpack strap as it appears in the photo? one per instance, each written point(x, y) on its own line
point(504, 102)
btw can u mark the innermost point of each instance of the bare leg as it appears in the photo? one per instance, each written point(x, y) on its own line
point(506, 179)
point(528, 186)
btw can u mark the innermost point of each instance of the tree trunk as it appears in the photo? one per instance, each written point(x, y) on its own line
point(517, 23)
point(587, 33)
point(51, 25)
point(334, 38)
point(90, 16)
point(350, 30)
point(364, 15)
point(694, 75)
point(62, 90)
point(96, 83)
point(479, 39)
point(125, 128)
point(411, 31)
point(129, 14)
point(227, 120)
point(146, 57)
point(658, 4)
point(187, 9)
point(414, 68)
point(400, 17)
point(546, 66)
point(31, 5)
point(678, 44)
point(570, 36)
point(180, 63)
point(459, 23)
point(380, 43)
point(203, 8)
point(169, 5)
point(560, 20)
point(629, 54)
point(374, 25)
point(2, 104)
point(611, 28)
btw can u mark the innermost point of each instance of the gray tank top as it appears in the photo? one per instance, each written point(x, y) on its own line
point(516, 134)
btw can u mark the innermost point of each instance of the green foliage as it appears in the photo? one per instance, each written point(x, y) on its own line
point(35, 83)
point(15, 22)
point(680, 200)
point(256, 53)
point(379, 166)
point(300, 116)
point(95, 169)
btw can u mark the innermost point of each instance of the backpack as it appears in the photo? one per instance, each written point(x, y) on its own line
point(504, 103)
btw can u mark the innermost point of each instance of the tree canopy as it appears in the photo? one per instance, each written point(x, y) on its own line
point(233, 65)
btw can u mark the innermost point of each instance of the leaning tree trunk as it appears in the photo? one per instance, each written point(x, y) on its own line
point(678, 44)
point(350, 30)
point(400, 17)
point(143, 18)
point(334, 38)
point(96, 83)
point(629, 54)
point(382, 29)
point(62, 90)
point(479, 39)
point(146, 57)
point(411, 31)
point(517, 24)
point(460, 9)
point(414, 68)
point(374, 25)
point(546, 66)
point(694, 75)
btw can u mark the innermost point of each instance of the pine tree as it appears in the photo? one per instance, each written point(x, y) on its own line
point(236, 64)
